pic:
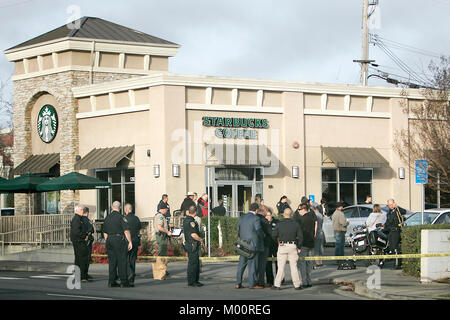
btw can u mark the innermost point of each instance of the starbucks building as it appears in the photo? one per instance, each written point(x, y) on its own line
point(99, 98)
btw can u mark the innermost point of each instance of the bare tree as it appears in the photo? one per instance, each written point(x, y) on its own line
point(6, 128)
point(6, 106)
point(428, 133)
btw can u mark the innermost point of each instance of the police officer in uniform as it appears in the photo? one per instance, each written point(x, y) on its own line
point(135, 227)
point(88, 229)
point(162, 233)
point(394, 223)
point(78, 237)
point(193, 242)
point(117, 233)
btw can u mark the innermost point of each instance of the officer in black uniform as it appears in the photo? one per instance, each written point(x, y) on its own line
point(78, 237)
point(192, 246)
point(89, 230)
point(117, 233)
point(273, 249)
point(394, 223)
point(135, 227)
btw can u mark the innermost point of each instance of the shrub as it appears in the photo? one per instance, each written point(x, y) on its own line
point(229, 234)
point(98, 248)
point(411, 243)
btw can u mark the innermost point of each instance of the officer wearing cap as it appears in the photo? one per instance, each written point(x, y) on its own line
point(187, 202)
point(193, 241)
point(162, 230)
point(117, 233)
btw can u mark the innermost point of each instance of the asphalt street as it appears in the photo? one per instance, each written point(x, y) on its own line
point(218, 279)
point(19, 285)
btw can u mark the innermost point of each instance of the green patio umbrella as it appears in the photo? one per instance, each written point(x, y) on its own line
point(25, 183)
point(73, 181)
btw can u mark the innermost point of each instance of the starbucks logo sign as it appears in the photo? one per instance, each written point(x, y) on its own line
point(47, 123)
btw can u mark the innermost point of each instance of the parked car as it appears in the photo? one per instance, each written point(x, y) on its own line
point(7, 212)
point(357, 215)
point(431, 216)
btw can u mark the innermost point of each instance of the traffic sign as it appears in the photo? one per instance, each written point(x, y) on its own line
point(421, 171)
point(312, 197)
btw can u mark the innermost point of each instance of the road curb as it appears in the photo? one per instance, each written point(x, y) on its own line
point(62, 268)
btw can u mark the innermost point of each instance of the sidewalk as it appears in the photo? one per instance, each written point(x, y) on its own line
point(393, 286)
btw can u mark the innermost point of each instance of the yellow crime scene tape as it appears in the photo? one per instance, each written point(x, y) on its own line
point(310, 258)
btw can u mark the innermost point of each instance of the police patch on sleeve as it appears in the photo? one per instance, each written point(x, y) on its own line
point(193, 224)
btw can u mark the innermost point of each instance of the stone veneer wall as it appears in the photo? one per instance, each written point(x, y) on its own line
point(59, 85)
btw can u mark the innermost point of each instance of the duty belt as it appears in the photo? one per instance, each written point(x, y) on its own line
point(116, 234)
point(287, 242)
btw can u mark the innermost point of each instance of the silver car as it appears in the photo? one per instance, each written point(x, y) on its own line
point(357, 215)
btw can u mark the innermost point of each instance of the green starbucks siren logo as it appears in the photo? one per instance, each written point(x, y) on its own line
point(47, 123)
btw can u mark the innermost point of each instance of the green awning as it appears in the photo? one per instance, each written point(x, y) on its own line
point(345, 157)
point(104, 158)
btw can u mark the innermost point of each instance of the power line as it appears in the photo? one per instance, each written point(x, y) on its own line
point(401, 46)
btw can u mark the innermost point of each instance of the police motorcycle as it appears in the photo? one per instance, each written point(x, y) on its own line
point(369, 243)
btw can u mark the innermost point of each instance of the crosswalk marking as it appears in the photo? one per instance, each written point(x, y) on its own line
point(10, 278)
point(51, 276)
point(74, 296)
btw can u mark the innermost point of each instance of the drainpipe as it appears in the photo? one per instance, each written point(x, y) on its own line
point(92, 59)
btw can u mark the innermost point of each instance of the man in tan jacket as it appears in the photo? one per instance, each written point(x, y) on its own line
point(340, 224)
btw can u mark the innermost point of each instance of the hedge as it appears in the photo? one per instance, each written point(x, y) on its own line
point(229, 234)
point(411, 243)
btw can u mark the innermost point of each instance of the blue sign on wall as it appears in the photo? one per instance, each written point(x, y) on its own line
point(421, 171)
point(312, 197)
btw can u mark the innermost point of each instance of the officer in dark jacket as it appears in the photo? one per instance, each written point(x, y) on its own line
point(117, 233)
point(187, 203)
point(135, 226)
point(273, 249)
point(192, 246)
point(88, 228)
point(78, 236)
point(282, 204)
point(266, 227)
point(394, 223)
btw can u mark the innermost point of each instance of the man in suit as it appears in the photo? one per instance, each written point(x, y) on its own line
point(249, 228)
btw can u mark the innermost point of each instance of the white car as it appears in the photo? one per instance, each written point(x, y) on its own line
point(357, 215)
point(431, 216)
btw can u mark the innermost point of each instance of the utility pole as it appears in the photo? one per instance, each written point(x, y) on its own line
point(365, 45)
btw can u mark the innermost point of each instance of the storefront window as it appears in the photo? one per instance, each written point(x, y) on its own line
point(122, 190)
point(350, 186)
point(47, 203)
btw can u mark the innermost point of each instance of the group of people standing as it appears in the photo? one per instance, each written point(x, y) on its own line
point(122, 242)
point(298, 234)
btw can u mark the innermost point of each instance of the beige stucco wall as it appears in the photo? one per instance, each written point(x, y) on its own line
point(114, 131)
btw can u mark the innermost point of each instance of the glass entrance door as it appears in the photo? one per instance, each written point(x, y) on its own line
point(225, 192)
point(244, 198)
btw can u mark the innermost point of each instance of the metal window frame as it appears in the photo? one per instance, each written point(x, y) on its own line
point(354, 182)
point(122, 183)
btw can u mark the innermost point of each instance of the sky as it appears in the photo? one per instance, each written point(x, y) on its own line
point(294, 40)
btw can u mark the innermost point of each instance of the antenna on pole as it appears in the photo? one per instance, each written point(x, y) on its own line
point(364, 61)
